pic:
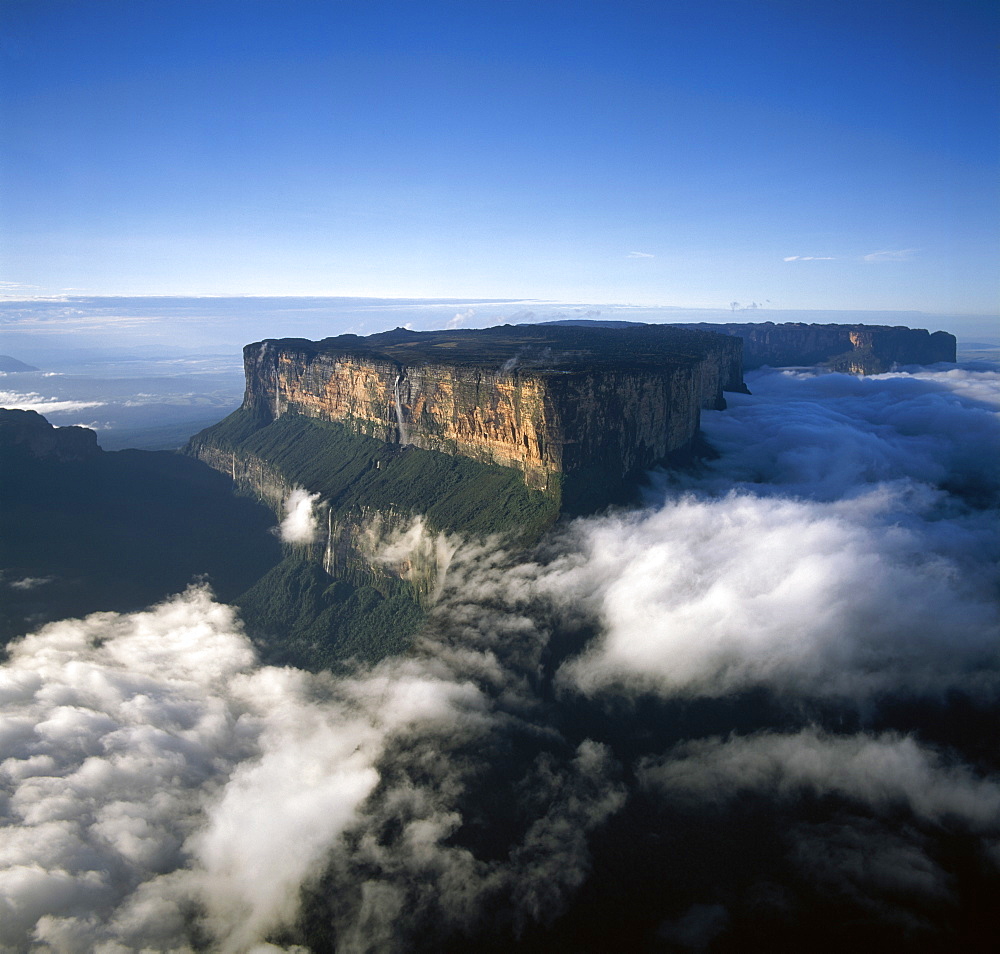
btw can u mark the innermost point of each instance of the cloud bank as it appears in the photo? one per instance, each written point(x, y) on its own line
point(760, 711)
point(33, 401)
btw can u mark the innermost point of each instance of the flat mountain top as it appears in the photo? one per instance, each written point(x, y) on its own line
point(535, 347)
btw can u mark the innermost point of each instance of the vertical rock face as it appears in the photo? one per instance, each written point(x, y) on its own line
point(556, 402)
point(856, 349)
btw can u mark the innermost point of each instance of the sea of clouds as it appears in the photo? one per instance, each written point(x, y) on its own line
point(765, 698)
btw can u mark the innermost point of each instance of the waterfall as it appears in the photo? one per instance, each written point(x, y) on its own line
point(277, 400)
point(403, 437)
point(328, 552)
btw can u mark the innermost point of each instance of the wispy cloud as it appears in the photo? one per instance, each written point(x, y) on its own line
point(33, 401)
point(640, 255)
point(809, 258)
point(16, 289)
point(891, 255)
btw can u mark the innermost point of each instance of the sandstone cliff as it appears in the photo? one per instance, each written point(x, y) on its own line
point(545, 401)
point(855, 349)
point(408, 443)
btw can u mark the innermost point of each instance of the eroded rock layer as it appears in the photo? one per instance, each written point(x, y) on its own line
point(543, 400)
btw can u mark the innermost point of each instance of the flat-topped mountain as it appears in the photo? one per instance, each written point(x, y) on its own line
point(28, 434)
point(855, 349)
point(544, 400)
point(83, 529)
point(405, 438)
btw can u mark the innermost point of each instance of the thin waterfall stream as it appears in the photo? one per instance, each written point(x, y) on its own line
point(403, 436)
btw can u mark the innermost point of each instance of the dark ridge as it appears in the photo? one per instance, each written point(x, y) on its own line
point(590, 346)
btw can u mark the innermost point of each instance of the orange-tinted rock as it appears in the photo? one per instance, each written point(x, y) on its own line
point(540, 399)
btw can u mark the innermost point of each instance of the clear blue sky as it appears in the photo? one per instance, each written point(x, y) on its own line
point(682, 152)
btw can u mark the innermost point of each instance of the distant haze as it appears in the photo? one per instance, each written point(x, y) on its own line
point(74, 331)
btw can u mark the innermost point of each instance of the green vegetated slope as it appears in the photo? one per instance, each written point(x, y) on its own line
point(352, 472)
point(300, 615)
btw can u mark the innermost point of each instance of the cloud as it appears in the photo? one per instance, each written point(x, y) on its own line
point(809, 258)
point(139, 751)
point(640, 255)
point(833, 436)
point(711, 597)
point(793, 647)
point(820, 553)
point(30, 582)
point(862, 854)
point(43, 405)
point(891, 255)
point(300, 525)
point(881, 771)
point(461, 318)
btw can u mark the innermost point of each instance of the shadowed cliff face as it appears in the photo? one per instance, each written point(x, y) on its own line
point(544, 401)
point(28, 434)
point(854, 349)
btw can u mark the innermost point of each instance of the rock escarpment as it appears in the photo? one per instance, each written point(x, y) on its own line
point(855, 349)
point(408, 443)
point(28, 434)
point(546, 401)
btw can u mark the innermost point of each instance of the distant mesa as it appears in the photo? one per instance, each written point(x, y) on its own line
point(113, 530)
point(9, 364)
point(854, 349)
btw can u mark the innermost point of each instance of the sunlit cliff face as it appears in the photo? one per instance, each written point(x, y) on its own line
point(544, 401)
point(539, 423)
point(759, 712)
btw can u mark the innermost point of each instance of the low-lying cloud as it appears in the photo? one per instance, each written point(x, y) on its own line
point(300, 524)
point(32, 401)
point(760, 708)
point(882, 772)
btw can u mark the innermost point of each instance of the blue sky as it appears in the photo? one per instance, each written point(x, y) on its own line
point(805, 155)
